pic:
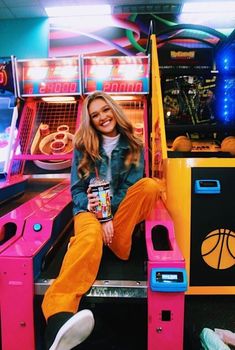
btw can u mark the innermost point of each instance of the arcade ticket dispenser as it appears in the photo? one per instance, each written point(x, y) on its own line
point(194, 152)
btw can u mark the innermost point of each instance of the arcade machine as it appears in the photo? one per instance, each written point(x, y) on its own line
point(31, 233)
point(194, 150)
point(10, 186)
point(126, 79)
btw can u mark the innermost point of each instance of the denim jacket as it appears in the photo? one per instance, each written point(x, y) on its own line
point(122, 177)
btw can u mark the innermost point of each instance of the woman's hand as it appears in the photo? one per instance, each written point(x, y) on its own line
point(93, 200)
point(108, 232)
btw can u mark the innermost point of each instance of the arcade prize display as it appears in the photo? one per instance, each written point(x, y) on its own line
point(127, 80)
point(31, 233)
point(194, 135)
point(10, 186)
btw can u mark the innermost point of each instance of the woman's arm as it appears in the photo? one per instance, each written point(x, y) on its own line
point(78, 186)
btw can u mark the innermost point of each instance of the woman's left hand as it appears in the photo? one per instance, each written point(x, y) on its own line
point(108, 232)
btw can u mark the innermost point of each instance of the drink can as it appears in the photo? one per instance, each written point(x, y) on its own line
point(101, 189)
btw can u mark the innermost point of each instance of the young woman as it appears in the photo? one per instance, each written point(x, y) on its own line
point(105, 144)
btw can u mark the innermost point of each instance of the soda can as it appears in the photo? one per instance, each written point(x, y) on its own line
point(101, 188)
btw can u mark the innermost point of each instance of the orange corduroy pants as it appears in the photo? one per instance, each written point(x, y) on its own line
point(82, 260)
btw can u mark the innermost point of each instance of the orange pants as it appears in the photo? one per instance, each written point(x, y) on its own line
point(81, 262)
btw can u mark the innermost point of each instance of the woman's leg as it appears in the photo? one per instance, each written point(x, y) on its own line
point(138, 203)
point(79, 269)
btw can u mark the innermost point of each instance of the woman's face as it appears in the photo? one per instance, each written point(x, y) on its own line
point(102, 117)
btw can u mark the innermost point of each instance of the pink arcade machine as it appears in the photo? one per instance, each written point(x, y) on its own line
point(52, 92)
point(127, 80)
point(11, 185)
point(37, 225)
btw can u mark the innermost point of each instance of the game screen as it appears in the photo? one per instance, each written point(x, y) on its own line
point(8, 133)
point(116, 75)
point(189, 99)
point(49, 77)
point(7, 79)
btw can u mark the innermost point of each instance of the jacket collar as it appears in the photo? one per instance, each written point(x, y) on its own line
point(122, 144)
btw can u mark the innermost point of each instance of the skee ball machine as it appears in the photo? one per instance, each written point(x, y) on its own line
point(126, 78)
point(10, 185)
point(167, 278)
point(33, 231)
point(195, 154)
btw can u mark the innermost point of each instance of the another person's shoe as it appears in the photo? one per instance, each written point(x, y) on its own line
point(66, 330)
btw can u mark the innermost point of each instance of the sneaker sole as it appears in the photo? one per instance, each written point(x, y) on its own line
point(74, 331)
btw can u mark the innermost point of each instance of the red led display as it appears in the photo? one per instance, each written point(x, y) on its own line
point(123, 86)
point(58, 88)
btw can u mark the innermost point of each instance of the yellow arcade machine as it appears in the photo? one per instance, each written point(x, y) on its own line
point(193, 144)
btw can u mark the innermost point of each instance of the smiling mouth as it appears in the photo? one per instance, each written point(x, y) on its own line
point(107, 122)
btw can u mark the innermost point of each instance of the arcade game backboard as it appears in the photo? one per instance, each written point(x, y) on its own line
point(197, 165)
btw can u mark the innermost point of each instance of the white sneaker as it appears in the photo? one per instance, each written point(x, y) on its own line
point(74, 331)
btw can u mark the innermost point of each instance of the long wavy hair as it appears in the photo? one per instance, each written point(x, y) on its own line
point(87, 139)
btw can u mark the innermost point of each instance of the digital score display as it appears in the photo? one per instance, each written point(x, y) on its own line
point(169, 276)
point(7, 77)
point(123, 86)
point(50, 77)
point(116, 75)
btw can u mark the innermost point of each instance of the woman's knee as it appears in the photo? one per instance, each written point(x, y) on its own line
point(150, 186)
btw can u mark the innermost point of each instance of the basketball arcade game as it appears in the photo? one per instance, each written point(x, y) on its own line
point(10, 186)
point(165, 264)
point(197, 164)
point(33, 230)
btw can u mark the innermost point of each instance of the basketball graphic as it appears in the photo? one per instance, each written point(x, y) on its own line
point(218, 249)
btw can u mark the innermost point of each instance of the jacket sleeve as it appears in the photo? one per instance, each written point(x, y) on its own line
point(78, 186)
point(134, 174)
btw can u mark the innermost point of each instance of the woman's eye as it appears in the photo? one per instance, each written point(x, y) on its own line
point(106, 109)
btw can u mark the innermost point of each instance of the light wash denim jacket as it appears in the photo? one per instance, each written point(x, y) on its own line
point(122, 177)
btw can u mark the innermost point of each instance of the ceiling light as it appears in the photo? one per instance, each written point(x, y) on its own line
point(208, 7)
point(66, 11)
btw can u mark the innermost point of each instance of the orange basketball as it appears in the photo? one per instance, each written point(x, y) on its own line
point(228, 145)
point(218, 249)
point(182, 144)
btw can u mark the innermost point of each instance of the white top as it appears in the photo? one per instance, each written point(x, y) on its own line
point(109, 143)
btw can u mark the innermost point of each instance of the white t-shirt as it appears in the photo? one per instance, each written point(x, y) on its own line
point(109, 143)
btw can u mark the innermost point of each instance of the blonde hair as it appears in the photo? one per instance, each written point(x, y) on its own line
point(87, 139)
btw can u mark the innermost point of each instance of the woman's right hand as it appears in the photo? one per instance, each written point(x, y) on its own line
point(93, 200)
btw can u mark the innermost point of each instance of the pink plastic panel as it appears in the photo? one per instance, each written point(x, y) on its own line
point(160, 216)
point(47, 203)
